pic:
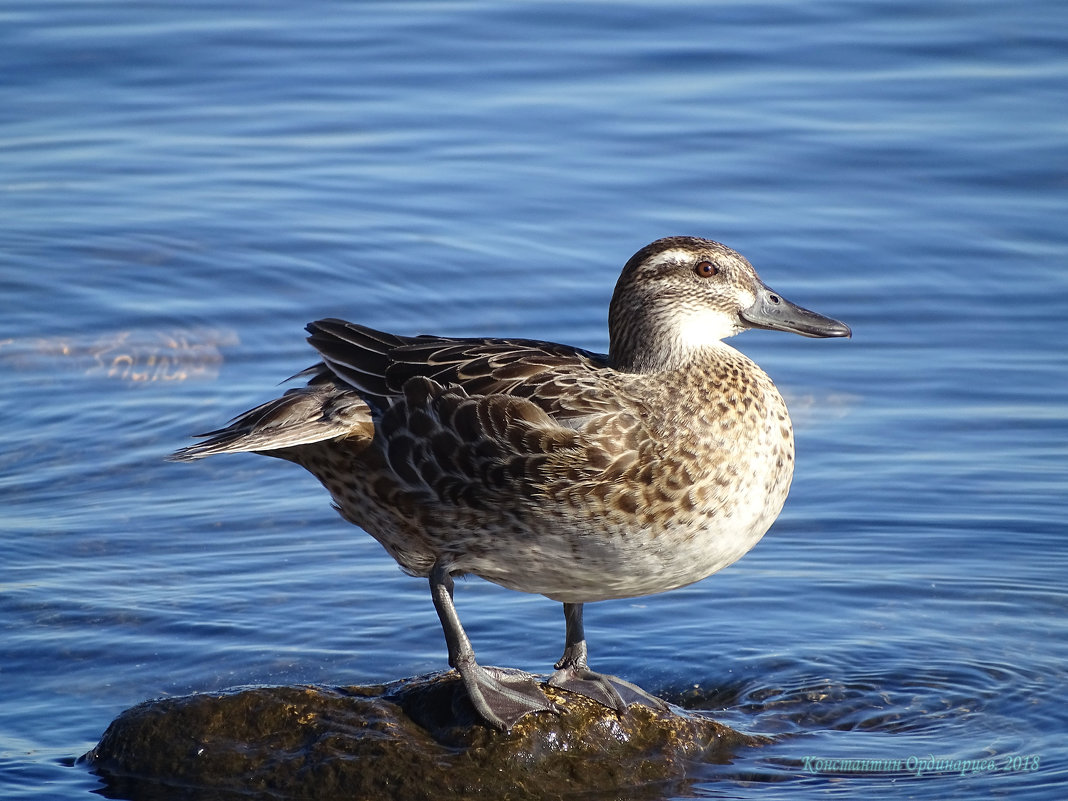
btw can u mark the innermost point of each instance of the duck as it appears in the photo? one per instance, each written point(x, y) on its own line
point(550, 469)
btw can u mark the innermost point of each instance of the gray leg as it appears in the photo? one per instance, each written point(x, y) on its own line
point(573, 674)
point(500, 696)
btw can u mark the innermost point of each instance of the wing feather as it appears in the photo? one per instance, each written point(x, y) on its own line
point(563, 381)
point(301, 416)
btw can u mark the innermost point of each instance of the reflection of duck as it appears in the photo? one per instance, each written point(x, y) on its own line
point(549, 469)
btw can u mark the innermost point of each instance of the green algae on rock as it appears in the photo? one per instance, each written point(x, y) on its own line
point(416, 738)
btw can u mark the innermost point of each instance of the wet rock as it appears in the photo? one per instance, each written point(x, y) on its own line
point(416, 738)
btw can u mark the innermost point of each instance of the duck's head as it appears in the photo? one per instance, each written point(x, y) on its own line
point(682, 294)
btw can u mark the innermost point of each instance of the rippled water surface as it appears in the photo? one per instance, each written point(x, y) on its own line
point(184, 186)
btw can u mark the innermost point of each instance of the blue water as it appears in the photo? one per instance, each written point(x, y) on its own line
point(183, 186)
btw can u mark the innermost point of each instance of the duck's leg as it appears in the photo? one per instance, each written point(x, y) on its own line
point(500, 696)
point(573, 674)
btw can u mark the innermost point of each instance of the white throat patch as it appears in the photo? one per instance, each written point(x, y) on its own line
point(704, 327)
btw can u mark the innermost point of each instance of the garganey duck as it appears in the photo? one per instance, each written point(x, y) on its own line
point(549, 469)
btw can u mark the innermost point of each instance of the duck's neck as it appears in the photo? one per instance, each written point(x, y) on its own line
point(648, 338)
point(666, 355)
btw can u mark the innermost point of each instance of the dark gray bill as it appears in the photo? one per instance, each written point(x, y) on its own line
point(772, 311)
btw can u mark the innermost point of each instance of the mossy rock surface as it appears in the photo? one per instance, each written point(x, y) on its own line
point(416, 738)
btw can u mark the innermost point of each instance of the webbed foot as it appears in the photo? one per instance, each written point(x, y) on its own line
point(573, 674)
point(611, 691)
point(502, 696)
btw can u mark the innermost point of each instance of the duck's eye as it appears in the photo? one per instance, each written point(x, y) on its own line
point(706, 269)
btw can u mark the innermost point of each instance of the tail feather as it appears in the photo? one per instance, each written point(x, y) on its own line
point(309, 414)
